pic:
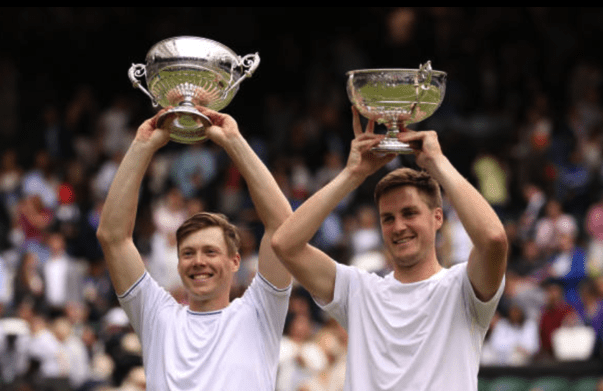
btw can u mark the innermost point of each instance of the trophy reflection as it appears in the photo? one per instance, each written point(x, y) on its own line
point(184, 72)
point(396, 98)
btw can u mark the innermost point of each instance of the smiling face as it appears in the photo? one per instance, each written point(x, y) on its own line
point(409, 229)
point(206, 268)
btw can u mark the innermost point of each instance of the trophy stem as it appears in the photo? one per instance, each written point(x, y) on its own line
point(185, 123)
point(391, 144)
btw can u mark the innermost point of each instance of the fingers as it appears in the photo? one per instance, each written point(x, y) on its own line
point(367, 141)
point(356, 122)
point(370, 127)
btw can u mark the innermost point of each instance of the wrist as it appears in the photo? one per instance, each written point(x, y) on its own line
point(353, 178)
point(144, 146)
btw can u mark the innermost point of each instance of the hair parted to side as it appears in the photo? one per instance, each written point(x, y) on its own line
point(425, 184)
point(203, 220)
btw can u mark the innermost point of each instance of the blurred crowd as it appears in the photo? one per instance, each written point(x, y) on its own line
point(522, 119)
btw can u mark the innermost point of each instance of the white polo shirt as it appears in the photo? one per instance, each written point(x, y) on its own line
point(232, 349)
point(420, 336)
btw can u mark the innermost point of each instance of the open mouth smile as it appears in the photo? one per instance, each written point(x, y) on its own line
point(200, 276)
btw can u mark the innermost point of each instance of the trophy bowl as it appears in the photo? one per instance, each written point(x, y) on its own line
point(184, 72)
point(396, 98)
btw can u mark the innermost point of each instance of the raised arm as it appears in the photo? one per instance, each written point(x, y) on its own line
point(271, 204)
point(314, 269)
point(119, 210)
point(488, 259)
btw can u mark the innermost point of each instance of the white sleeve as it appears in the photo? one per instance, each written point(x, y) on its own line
point(143, 302)
point(271, 305)
point(481, 311)
point(338, 307)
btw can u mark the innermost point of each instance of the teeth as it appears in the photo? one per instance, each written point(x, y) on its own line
point(201, 276)
point(401, 241)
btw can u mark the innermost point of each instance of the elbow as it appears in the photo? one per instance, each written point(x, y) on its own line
point(103, 236)
point(106, 236)
point(498, 245)
point(278, 245)
point(282, 246)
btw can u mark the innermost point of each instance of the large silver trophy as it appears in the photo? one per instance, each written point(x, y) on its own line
point(396, 98)
point(184, 72)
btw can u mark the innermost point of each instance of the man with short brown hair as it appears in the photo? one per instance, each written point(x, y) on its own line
point(421, 327)
point(211, 343)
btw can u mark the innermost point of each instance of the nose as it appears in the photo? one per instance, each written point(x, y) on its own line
point(199, 259)
point(399, 224)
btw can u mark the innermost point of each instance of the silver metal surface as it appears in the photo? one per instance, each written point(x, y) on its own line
point(184, 72)
point(396, 98)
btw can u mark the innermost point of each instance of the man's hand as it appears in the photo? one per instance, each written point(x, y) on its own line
point(362, 160)
point(223, 128)
point(425, 145)
point(148, 132)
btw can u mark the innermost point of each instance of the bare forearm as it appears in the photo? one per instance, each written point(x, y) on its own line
point(119, 210)
point(298, 230)
point(271, 204)
point(475, 213)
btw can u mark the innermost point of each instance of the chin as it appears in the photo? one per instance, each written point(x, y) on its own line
point(406, 260)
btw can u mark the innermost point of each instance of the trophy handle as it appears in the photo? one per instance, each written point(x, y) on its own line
point(423, 78)
point(249, 63)
point(136, 71)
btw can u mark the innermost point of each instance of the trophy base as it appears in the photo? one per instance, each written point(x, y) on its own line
point(185, 124)
point(392, 145)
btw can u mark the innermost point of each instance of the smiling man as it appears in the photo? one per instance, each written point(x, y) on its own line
point(422, 326)
point(211, 343)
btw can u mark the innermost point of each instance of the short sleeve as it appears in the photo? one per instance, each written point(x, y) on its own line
point(481, 311)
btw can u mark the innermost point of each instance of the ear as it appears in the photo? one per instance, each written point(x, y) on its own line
point(236, 262)
point(439, 217)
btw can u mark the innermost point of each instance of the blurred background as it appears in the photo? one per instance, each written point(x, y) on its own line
point(522, 119)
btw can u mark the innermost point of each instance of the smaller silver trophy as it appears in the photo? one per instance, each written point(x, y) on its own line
point(184, 72)
point(396, 98)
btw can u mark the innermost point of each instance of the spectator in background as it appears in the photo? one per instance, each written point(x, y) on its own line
point(72, 352)
point(28, 284)
point(590, 310)
point(554, 313)
point(14, 340)
point(492, 181)
point(194, 169)
point(63, 275)
point(568, 265)
point(552, 225)
point(535, 200)
point(48, 365)
point(301, 358)
point(594, 229)
point(249, 262)
point(114, 131)
point(168, 214)
point(455, 245)
point(11, 174)
point(515, 337)
point(34, 222)
point(42, 180)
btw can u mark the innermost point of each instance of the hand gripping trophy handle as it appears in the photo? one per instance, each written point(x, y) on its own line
point(136, 71)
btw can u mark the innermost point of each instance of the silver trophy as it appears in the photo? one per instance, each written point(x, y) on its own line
point(184, 72)
point(396, 98)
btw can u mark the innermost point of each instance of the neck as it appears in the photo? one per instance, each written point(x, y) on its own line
point(209, 305)
point(418, 272)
